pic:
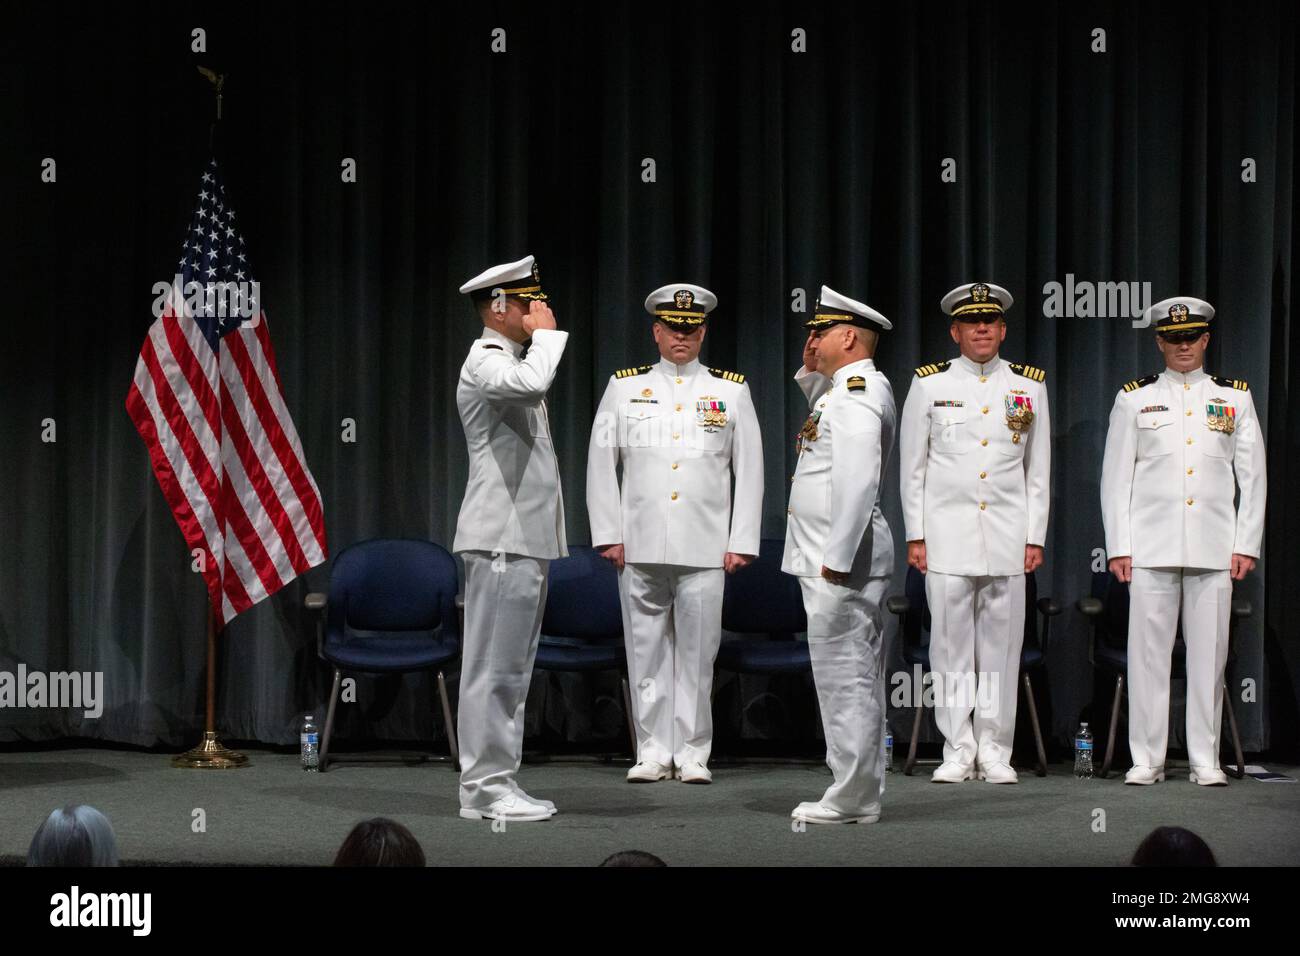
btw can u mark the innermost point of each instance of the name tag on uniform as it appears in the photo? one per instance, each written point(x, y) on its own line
point(643, 401)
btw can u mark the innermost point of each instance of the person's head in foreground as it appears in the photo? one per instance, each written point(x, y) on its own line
point(633, 858)
point(75, 835)
point(380, 842)
point(1173, 846)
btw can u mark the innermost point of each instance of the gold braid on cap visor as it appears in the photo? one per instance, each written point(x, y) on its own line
point(977, 308)
point(682, 318)
point(826, 318)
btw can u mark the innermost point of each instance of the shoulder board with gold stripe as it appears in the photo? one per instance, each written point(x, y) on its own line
point(1238, 383)
point(933, 367)
point(629, 372)
point(729, 376)
point(1137, 383)
point(1028, 371)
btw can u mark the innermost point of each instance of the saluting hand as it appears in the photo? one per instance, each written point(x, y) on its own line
point(810, 352)
point(539, 316)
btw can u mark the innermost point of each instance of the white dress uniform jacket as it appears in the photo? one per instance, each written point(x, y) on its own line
point(512, 499)
point(1176, 442)
point(680, 432)
point(834, 517)
point(974, 488)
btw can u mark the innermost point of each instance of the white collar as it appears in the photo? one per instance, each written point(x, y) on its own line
point(492, 335)
point(853, 368)
point(975, 368)
point(673, 370)
point(1185, 378)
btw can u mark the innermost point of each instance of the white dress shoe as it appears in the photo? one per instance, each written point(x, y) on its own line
point(1208, 776)
point(529, 799)
point(694, 772)
point(1144, 776)
point(648, 771)
point(813, 812)
point(998, 773)
point(952, 772)
point(512, 809)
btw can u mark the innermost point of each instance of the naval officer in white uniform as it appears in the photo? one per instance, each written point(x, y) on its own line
point(1181, 444)
point(682, 432)
point(511, 525)
point(839, 546)
point(975, 462)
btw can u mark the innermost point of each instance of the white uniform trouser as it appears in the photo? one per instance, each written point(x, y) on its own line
point(845, 637)
point(505, 595)
point(977, 627)
point(672, 626)
point(1154, 598)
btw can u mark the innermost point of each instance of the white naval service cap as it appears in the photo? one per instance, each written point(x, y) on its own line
point(681, 305)
point(974, 299)
point(835, 309)
point(1180, 314)
point(520, 278)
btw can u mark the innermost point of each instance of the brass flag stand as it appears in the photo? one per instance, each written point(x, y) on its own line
point(211, 754)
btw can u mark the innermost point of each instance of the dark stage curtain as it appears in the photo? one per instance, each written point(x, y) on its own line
point(775, 171)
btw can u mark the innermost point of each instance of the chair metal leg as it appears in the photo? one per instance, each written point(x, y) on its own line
point(911, 746)
point(1114, 722)
point(627, 707)
point(1038, 733)
point(329, 721)
point(1236, 737)
point(451, 724)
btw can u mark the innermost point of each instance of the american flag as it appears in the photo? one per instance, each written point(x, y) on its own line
point(208, 402)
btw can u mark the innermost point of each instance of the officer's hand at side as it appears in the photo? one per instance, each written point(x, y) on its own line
point(1033, 558)
point(810, 352)
point(612, 553)
point(1122, 568)
point(916, 555)
point(733, 562)
point(539, 316)
point(1241, 566)
point(835, 577)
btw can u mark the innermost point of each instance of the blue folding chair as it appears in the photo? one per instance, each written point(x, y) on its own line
point(913, 613)
point(1107, 611)
point(391, 609)
point(582, 627)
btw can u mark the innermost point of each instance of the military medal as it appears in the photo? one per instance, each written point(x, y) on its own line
point(1220, 416)
point(808, 433)
point(1020, 412)
point(710, 413)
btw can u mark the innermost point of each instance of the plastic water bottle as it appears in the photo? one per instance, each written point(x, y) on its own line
point(309, 740)
point(889, 749)
point(1083, 752)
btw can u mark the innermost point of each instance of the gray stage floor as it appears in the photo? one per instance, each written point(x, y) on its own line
point(274, 813)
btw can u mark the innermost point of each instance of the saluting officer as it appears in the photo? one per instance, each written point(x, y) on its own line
point(1177, 441)
point(975, 461)
point(682, 432)
point(511, 525)
point(838, 544)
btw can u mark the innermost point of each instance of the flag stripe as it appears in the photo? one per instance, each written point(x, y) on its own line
point(256, 486)
point(275, 434)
